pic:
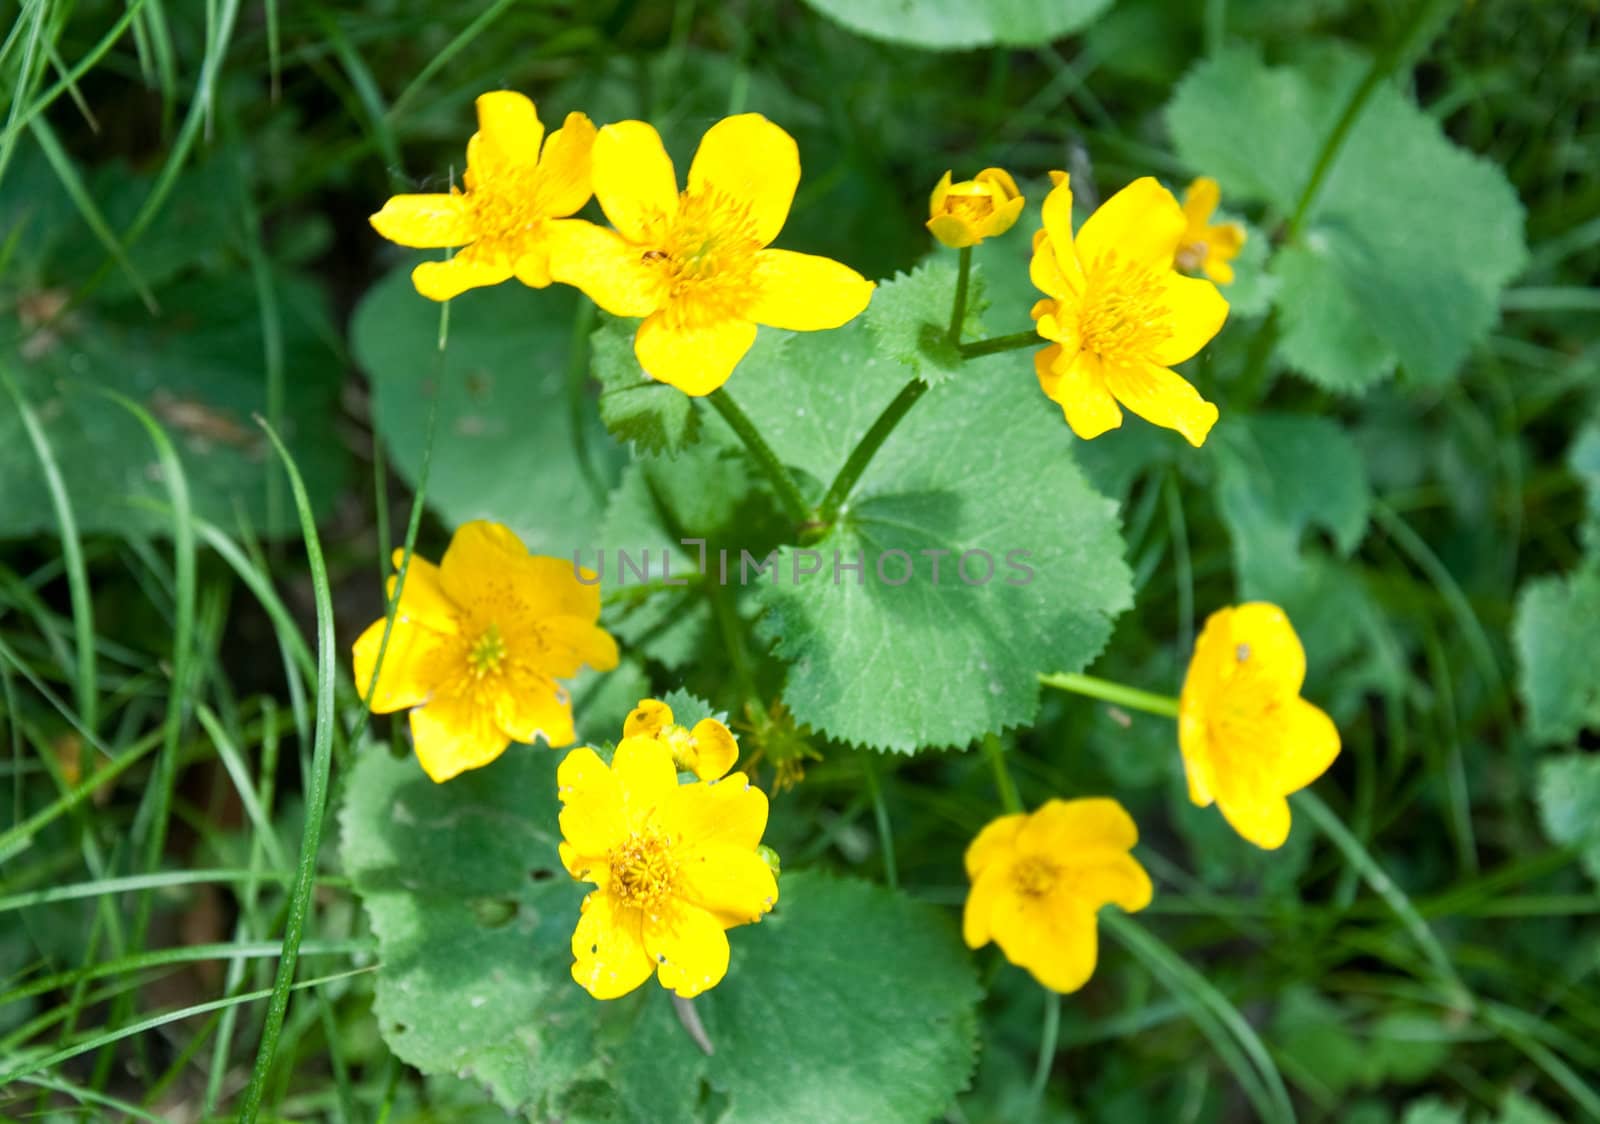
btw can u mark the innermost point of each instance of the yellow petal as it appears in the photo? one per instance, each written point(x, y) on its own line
point(940, 191)
point(423, 600)
point(1218, 270)
point(1141, 223)
point(426, 222)
point(446, 280)
point(532, 268)
point(565, 644)
point(997, 839)
point(755, 163)
point(1115, 878)
point(1200, 200)
point(1001, 180)
point(1056, 214)
point(487, 567)
point(1053, 938)
point(565, 167)
point(592, 818)
point(731, 811)
point(1078, 387)
point(1049, 275)
point(647, 719)
point(805, 292)
point(453, 734)
point(1061, 829)
point(1271, 655)
point(688, 946)
point(1194, 745)
point(1163, 398)
point(1259, 817)
point(990, 885)
point(509, 132)
point(647, 778)
point(411, 666)
point(1195, 312)
point(635, 182)
point(734, 883)
point(608, 268)
point(1309, 743)
point(695, 360)
point(609, 957)
point(953, 231)
point(715, 749)
point(1004, 217)
point(536, 710)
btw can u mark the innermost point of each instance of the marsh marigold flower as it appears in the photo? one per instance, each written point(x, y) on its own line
point(708, 751)
point(1119, 315)
point(1038, 881)
point(695, 264)
point(675, 866)
point(513, 188)
point(479, 645)
point(1248, 738)
point(1206, 246)
point(964, 214)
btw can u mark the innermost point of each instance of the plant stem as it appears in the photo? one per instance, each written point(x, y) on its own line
point(1116, 693)
point(1049, 1035)
point(783, 483)
point(1016, 341)
point(880, 812)
point(958, 308)
point(867, 448)
point(995, 752)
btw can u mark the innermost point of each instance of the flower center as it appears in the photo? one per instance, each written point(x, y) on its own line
point(643, 869)
point(1191, 255)
point(1122, 317)
point(707, 259)
point(505, 208)
point(1035, 877)
point(487, 653)
point(972, 208)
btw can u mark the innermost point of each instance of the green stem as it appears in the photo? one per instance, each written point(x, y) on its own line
point(783, 483)
point(1376, 73)
point(1016, 341)
point(880, 812)
point(1116, 693)
point(1049, 1035)
point(1009, 800)
point(867, 448)
point(958, 309)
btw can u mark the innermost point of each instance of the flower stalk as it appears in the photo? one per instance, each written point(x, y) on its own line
point(782, 482)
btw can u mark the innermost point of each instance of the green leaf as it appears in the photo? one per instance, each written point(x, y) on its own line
point(652, 416)
point(1559, 679)
point(1409, 240)
point(910, 316)
point(1433, 1111)
point(199, 370)
point(1277, 476)
point(1518, 1109)
point(1310, 1033)
point(960, 25)
point(898, 664)
point(505, 447)
point(474, 918)
point(1569, 805)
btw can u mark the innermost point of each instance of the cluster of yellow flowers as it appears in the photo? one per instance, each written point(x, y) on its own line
point(697, 264)
point(480, 645)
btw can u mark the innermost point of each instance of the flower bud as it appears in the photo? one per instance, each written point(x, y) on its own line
point(964, 214)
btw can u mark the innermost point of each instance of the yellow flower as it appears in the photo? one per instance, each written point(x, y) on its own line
point(1038, 880)
point(966, 213)
point(708, 751)
point(513, 190)
point(1248, 738)
point(676, 865)
point(478, 645)
point(1119, 315)
point(1204, 246)
point(695, 263)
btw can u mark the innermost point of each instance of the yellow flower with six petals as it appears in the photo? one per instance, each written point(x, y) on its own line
point(675, 866)
point(708, 751)
point(1118, 314)
point(513, 189)
point(695, 264)
point(478, 646)
point(1248, 738)
point(1039, 880)
point(964, 214)
point(1206, 246)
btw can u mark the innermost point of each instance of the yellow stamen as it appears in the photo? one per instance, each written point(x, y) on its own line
point(505, 209)
point(487, 654)
point(1034, 876)
point(1122, 317)
point(644, 871)
point(707, 259)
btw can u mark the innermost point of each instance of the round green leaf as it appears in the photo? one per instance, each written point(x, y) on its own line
point(961, 25)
